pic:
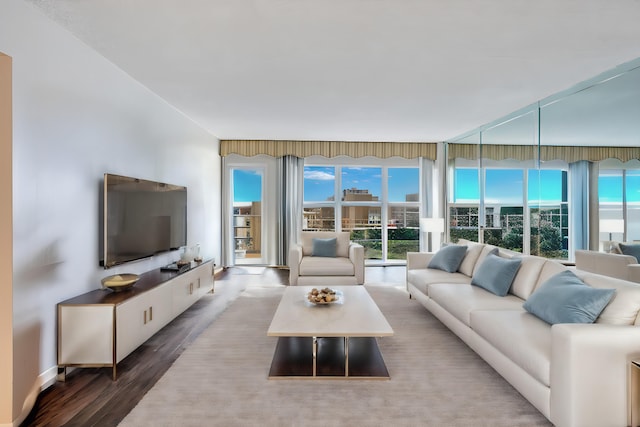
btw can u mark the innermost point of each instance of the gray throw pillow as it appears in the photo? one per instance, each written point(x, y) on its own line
point(564, 298)
point(496, 274)
point(633, 250)
point(448, 258)
point(324, 247)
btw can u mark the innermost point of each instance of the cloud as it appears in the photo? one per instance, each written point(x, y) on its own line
point(318, 175)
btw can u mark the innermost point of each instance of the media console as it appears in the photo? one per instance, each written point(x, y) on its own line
point(102, 327)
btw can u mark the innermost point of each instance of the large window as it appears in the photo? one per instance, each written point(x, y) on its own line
point(378, 205)
point(619, 204)
point(490, 205)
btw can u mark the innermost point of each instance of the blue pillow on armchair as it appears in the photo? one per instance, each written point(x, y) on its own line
point(324, 247)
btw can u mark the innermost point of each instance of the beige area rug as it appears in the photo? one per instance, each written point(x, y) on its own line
point(221, 380)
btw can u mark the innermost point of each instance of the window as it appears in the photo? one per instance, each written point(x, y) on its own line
point(549, 213)
point(319, 198)
point(619, 199)
point(379, 205)
point(506, 223)
point(247, 215)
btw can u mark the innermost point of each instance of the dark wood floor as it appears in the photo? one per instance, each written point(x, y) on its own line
point(89, 397)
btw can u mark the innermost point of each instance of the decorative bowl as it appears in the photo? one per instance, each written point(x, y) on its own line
point(323, 296)
point(120, 282)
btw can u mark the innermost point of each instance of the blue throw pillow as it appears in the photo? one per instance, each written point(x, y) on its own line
point(448, 258)
point(633, 250)
point(564, 298)
point(324, 247)
point(496, 274)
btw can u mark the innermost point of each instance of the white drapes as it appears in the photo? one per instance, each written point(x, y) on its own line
point(290, 202)
point(227, 216)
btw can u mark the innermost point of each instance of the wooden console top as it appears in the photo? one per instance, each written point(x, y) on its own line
point(147, 281)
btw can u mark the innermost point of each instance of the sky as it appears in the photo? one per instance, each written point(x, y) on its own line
point(247, 185)
point(319, 182)
point(503, 186)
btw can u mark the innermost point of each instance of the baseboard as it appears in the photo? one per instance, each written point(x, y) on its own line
point(48, 378)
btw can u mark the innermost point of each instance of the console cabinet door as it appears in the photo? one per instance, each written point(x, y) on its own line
point(205, 282)
point(185, 291)
point(139, 318)
point(85, 334)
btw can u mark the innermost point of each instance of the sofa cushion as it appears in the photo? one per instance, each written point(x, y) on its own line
point(429, 276)
point(550, 268)
point(325, 266)
point(633, 250)
point(521, 337)
point(624, 307)
point(460, 300)
point(448, 258)
point(496, 274)
point(324, 247)
point(527, 277)
point(564, 298)
point(470, 258)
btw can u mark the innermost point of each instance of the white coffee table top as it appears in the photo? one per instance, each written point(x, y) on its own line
point(356, 316)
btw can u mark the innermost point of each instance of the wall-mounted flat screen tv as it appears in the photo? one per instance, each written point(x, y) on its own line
point(141, 218)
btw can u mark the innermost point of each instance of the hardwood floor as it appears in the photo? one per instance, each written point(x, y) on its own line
point(89, 397)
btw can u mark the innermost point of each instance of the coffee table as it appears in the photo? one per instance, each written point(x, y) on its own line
point(330, 341)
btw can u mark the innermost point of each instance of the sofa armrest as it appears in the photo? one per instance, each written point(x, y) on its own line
point(295, 257)
point(356, 255)
point(418, 259)
point(589, 373)
point(633, 273)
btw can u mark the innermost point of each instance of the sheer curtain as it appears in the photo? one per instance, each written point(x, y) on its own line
point(290, 198)
point(579, 203)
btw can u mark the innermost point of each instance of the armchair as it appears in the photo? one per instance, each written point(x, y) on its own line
point(346, 268)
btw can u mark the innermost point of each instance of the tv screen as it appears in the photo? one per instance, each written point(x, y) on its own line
point(141, 218)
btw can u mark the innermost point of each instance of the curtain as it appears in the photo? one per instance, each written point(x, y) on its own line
point(227, 217)
point(329, 149)
point(594, 207)
point(290, 198)
point(579, 203)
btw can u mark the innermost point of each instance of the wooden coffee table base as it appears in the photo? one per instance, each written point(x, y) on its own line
point(294, 358)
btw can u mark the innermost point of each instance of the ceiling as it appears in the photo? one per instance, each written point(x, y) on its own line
point(353, 70)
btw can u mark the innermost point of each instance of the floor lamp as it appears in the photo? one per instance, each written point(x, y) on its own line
point(611, 226)
point(435, 228)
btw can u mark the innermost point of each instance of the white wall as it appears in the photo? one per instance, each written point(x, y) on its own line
point(77, 116)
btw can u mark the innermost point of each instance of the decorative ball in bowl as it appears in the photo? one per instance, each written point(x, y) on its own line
point(120, 282)
point(322, 296)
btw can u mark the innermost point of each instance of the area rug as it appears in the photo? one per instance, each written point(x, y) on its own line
point(436, 380)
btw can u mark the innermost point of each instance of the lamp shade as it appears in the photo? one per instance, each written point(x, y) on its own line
point(610, 225)
point(432, 225)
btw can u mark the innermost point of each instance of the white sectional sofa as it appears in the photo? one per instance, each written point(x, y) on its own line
point(575, 374)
